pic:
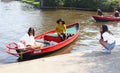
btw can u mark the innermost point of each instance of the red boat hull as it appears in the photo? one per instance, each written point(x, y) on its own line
point(106, 18)
point(54, 47)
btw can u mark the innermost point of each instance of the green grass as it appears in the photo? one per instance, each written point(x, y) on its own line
point(36, 3)
point(32, 2)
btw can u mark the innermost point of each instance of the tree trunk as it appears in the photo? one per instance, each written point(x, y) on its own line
point(41, 3)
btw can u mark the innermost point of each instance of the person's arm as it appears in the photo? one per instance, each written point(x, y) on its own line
point(114, 13)
point(65, 29)
point(101, 37)
point(105, 37)
point(56, 28)
point(97, 13)
point(22, 40)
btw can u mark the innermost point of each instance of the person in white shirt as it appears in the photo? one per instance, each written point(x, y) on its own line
point(29, 41)
point(107, 39)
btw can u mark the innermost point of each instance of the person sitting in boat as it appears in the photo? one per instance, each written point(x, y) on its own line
point(116, 12)
point(107, 39)
point(29, 41)
point(99, 12)
point(61, 29)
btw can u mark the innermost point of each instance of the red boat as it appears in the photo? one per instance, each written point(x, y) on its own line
point(72, 29)
point(106, 18)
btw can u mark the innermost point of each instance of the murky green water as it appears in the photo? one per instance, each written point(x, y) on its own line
point(17, 17)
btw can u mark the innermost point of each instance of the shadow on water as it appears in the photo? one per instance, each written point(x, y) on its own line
point(17, 17)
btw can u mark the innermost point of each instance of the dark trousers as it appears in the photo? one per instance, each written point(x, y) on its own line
point(62, 36)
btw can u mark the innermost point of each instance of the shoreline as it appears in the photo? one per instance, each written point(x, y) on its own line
point(66, 8)
point(54, 8)
point(91, 61)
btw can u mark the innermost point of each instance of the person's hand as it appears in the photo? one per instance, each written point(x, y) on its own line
point(23, 42)
point(29, 47)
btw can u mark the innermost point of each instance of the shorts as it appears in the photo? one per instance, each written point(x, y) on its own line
point(111, 46)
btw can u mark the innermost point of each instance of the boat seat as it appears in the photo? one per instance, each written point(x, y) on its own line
point(52, 37)
point(71, 30)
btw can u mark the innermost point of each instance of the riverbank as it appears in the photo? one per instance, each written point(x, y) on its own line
point(65, 8)
point(82, 62)
point(68, 8)
point(92, 4)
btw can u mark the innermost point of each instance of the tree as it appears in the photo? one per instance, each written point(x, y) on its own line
point(107, 5)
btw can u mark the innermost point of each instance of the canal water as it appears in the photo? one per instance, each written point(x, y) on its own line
point(16, 17)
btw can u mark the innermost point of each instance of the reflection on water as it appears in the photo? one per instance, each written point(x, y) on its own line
point(17, 17)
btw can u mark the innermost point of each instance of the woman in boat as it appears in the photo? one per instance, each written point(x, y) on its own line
point(116, 12)
point(61, 29)
point(99, 12)
point(29, 41)
point(107, 39)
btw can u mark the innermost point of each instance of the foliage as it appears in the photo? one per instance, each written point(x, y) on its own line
point(106, 5)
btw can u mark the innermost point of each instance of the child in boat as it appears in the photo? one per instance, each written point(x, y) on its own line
point(107, 39)
point(29, 41)
point(116, 12)
point(99, 12)
point(61, 29)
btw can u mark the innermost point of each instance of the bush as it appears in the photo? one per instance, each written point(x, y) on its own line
point(106, 5)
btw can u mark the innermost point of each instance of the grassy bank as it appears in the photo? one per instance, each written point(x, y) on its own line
point(33, 2)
